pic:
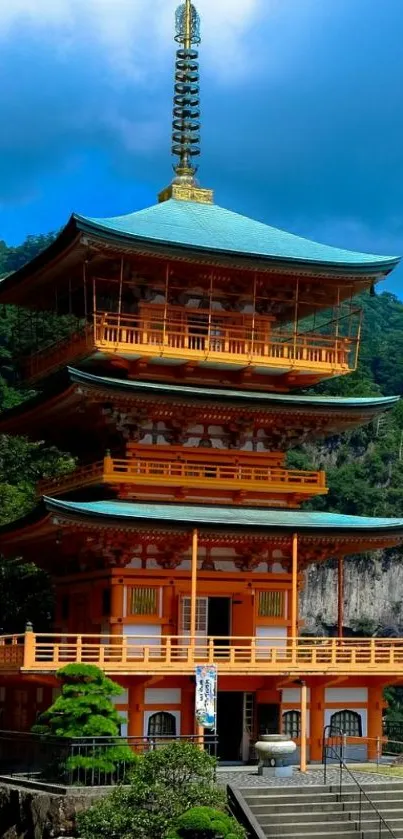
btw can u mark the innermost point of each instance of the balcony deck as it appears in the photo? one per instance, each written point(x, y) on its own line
point(227, 342)
point(132, 655)
point(148, 473)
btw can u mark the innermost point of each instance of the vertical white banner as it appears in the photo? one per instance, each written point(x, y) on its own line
point(206, 695)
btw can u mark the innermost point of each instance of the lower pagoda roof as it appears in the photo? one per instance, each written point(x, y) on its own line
point(74, 398)
point(55, 523)
point(219, 516)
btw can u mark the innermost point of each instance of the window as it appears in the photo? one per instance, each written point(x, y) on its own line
point(161, 724)
point(106, 602)
point(292, 724)
point(271, 604)
point(201, 614)
point(144, 601)
point(349, 722)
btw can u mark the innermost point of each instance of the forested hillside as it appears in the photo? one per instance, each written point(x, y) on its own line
point(365, 467)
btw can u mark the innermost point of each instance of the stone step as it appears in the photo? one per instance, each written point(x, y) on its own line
point(375, 796)
point(302, 818)
point(292, 807)
point(385, 811)
point(308, 827)
point(349, 833)
point(251, 796)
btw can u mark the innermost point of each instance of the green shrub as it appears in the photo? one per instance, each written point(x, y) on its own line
point(164, 783)
point(206, 823)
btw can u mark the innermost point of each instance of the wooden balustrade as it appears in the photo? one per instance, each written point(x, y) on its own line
point(227, 338)
point(178, 654)
point(187, 473)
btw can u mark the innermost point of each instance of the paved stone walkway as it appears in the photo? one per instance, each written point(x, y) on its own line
point(247, 776)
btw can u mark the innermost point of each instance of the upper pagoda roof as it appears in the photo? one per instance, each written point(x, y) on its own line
point(207, 231)
point(209, 227)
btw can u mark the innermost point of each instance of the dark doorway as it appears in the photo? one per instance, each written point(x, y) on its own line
point(229, 725)
point(219, 616)
point(268, 719)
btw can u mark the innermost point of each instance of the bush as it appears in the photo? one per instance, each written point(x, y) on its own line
point(164, 783)
point(206, 823)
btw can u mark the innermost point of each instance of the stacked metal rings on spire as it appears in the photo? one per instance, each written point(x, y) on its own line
point(186, 121)
point(186, 112)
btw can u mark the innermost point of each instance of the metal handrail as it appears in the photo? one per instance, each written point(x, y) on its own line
point(344, 768)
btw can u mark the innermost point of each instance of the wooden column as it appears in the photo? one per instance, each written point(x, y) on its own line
point(193, 591)
point(304, 693)
point(135, 713)
point(116, 616)
point(317, 722)
point(375, 706)
point(294, 588)
point(340, 596)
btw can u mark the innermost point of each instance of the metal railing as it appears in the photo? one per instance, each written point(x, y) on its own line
point(66, 760)
point(335, 750)
point(188, 472)
point(180, 653)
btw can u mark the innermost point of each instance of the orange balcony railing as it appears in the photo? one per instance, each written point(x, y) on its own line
point(185, 473)
point(178, 654)
point(226, 339)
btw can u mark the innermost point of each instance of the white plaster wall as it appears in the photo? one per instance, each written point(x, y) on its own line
point(162, 696)
point(150, 632)
point(123, 699)
point(294, 695)
point(346, 695)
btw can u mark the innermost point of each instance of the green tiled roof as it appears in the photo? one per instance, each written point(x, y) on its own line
point(254, 398)
point(218, 516)
point(208, 227)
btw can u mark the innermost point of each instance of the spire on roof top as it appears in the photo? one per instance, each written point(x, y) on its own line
point(186, 112)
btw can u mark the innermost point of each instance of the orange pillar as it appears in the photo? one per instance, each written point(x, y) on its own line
point(294, 587)
point(116, 616)
point(340, 596)
point(193, 590)
point(317, 721)
point(302, 763)
point(135, 713)
point(375, 706)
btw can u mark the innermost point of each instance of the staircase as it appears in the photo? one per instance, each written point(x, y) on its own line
point(320, 811)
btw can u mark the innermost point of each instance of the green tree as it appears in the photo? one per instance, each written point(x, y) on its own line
point(85, 710)
point(26, 594)
point(206, 823)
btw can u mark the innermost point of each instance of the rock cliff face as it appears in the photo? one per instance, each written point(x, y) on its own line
point(373, 595)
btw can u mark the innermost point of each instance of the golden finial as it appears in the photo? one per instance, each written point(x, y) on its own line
point(186, 113)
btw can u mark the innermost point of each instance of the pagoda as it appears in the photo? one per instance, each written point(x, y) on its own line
point(188, 337)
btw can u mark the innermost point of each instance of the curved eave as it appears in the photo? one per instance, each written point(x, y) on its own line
point(189, 515)
point(378, 268)
point(63, 242)
point(331, 403)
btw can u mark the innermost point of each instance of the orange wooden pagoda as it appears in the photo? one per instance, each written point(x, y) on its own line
point(186, 332)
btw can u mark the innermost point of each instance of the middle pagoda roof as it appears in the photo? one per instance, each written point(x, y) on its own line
point(74, 399)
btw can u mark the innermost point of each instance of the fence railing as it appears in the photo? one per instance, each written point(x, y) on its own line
point(179, 653)
point(333, 750)
point(184, 472)
point(230, 337)
point(82, 760)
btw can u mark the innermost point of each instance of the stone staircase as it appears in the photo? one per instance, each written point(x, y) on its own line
point(319, 812)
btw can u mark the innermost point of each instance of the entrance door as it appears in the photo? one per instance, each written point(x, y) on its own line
point(230, 725)
point(268, 719)
point(219, 619)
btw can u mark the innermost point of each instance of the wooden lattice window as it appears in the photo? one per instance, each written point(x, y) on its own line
point(144, 601)
point(292, 724)
point(271, 604)
point(201, 614)
point(347, 722)
point(161, 724)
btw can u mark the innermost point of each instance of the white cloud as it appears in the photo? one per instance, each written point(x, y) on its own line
point(136, 35)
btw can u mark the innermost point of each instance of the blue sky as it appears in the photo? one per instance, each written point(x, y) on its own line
point(302, 113)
